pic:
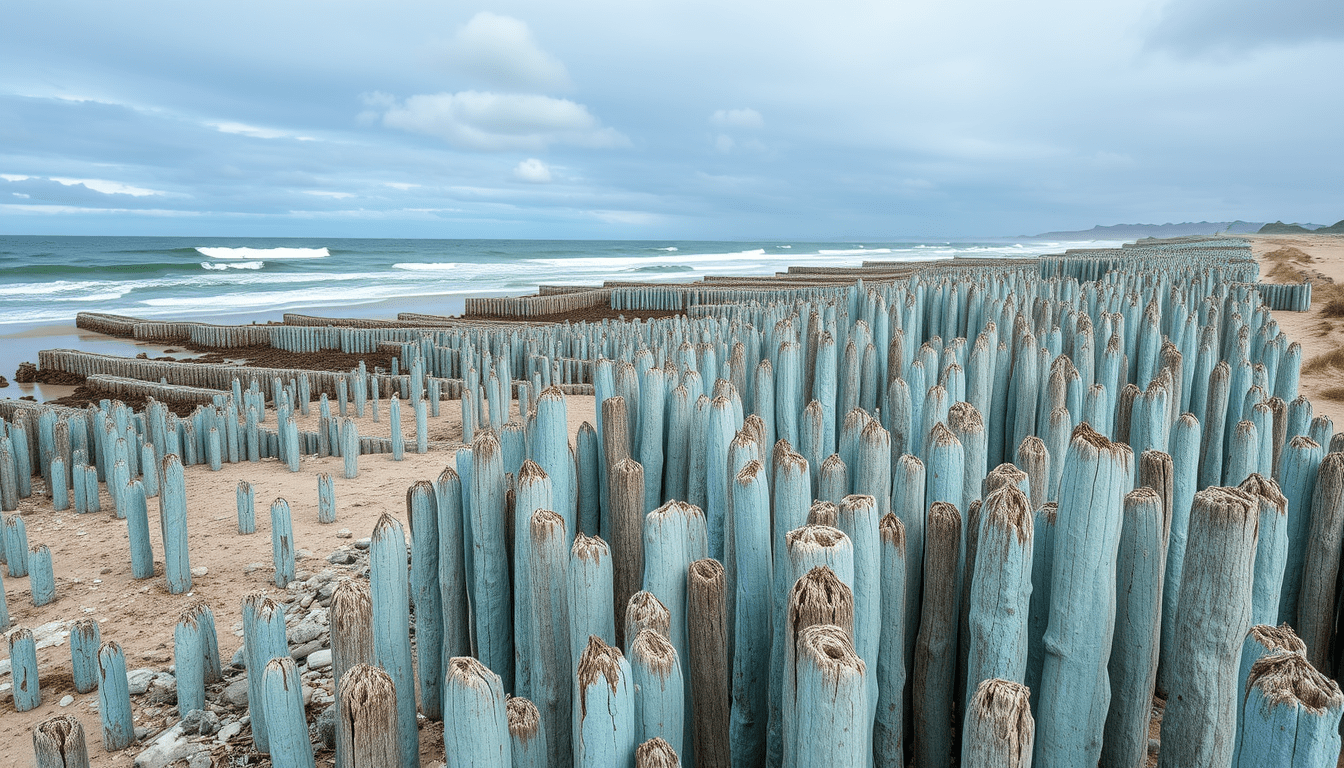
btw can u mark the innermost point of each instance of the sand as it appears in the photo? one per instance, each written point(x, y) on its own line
point(1320, 258)
point(91, 559)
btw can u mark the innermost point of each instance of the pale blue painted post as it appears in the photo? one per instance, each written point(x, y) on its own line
point(889, 727)
point(1243, 457)
point(60, 488)
point(453, 573)
point(591, 586)
point(1215, 614)
point(824, 384)
point(282, 542)
point(114, 698)
point(394, 426)
point(551, 665)
point(589, 475)
point(214, 450)
point(722, 428)
point(946, 463)
point(809, 445)
point(752, 627)
point(899, 421)
point(834, 484)
point(326, 498)
point(1215, 420)
point(935, 660)
point(263, 640)
point(829, 729)
point(1025, 384)
point(491, 603)
point(1271, 549)
point(23, 670)
point(41, 578)
point(286, 728)
point(247, 520)
point(391, 624)
point(350, 448)
point(1134, 651)
point(550, 449)
point(16, 545)
point(999, 731)
point(189, 662)
point(85, 638)
point(818, 597)
point(532, 492)
point(1185, 442)
point(1297, 479)
point(421, 427)
point(173, 513)
point(999, 596)
point(475, 705)
point(907, 501)
point(660, 699)
point(653, 408)
point(1261, 640)
point(604, 720)
point(528, 747)
point(422, 511)
point(137, 530)
point(1290, 715)
point(859, 518)
point(968, 426)
point(1074, 694)
point(1320, 570)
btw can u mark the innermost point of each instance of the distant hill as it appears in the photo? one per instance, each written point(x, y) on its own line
point(1136, 231)
point(1334, 229)
point(1279, 228)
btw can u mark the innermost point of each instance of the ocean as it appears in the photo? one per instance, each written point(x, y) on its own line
point(47, 280)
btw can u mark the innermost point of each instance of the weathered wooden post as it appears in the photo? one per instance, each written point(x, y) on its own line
point(173, 513)
point(1000, 590)
point(366, 731)
point(551, 666)
point(889, 727)
point(114, 698)
point(645, 611)
point(1074, 699)
point(23, 670)
point(286, 728)
point(1215, 613)
point(660, 697)
point(527, 740)
point(1185, 442)
point(831, 710)
point(1316, 604)
point(282, 542)
point(326, 498)
point(41, 577)
point(1290, 715)
point(351, 614)
point(59, 743)
point(627, 495)
point(999, 731)
point(752, 630)
point(422, 511)
point(189, 652)
point(349, 448)
point(1297, 478)
point(1138, 619)
point(707, 647)
point(263, 640)
point(85, 637)
point(391, 624)
point(590, 588)
point(475, 705)
point(1262, 640)
point(604, 721)
point(935, 662)
point(247, 518)
point(491, 598)
point(1271, 549)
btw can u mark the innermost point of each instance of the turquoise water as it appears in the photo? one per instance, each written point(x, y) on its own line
point(46, 280)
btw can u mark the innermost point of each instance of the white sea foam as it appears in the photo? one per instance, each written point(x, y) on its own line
point(263, 253)
point(239, 265)
point(668, 248)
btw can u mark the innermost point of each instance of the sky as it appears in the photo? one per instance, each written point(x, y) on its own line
point(656, 119)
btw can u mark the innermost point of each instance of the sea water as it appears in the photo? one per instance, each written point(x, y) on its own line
point(47, 280)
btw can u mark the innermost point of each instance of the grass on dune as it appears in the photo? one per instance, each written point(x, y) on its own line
point(1325, 361)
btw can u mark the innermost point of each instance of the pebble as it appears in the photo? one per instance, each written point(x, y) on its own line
point(67, 700)
point(363, 543)
point(319, 659)
point(229, 731)
point(199, 571)
point(344, 533)
point(236, 693)
point(341, 557)
point(138, 680)
point(250, 567)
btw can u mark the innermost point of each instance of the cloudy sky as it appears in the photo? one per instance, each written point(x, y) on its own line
point(666, 118)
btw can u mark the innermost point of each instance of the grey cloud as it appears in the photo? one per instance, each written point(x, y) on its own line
point(1235, 27)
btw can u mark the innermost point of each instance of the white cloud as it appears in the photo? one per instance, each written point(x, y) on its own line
point(13, 177)
point(327, 193)
point(20, 194)
point(737, 118)
point(500, 50)
point(533, 171)
point(501, 121)
point(401, 185)
point(243, 129)
point(107, 187)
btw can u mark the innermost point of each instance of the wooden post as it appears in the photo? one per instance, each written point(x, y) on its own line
point(1316, 604)
point(627, 496)
point(590, 588)
point(23, 670)
point(889, 727)
point(491, 599)
point(707, 646)
point(1297, 478)
point(659, 689)
point(366, 730)
point(1215, 613)
point(173, 513)
point(286, 728)
point(59, 743)
point(390, 591)
point(422, 511)
point(326, 498)
point(1271, 549)
point(1290, 716)
point(645, 611)
point(999, 731)
point(828, 723)
point(475, 707)
point(552, 664)
point(752, 629)
point(1138, 618)
point(247, 519)
point(351, 614)
point(1185, 442)
point(453, 572)
point(263, 640)
point(604, 723)
point(85, 638)
point(282, 543)
point(114, 698)
point(1074, 700)
point(999, 599)
point(527, 740)
point(819, 597)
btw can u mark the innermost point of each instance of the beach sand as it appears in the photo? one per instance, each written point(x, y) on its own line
point(1320, 258)
point(91, 559)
